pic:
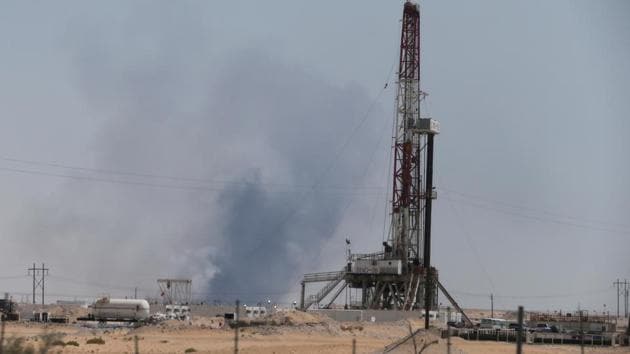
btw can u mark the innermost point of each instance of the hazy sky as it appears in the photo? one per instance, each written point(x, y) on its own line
point(239, 143)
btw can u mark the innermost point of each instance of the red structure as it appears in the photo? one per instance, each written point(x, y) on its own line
point(407, 189)
point(401, 276)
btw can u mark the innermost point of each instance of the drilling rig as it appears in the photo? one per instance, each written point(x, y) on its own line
point(400, 277)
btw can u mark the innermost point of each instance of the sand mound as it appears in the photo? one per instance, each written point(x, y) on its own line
point(286, 318)
point(298, 318)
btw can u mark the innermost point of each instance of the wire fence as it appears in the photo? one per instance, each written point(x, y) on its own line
point(417, 341)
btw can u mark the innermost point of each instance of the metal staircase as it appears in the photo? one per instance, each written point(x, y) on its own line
point(333, 278)
point(336, 295)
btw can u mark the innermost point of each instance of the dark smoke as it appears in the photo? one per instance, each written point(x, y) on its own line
point(268, 235)
point(269, 137)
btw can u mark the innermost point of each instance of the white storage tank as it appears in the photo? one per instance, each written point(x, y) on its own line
point(106, 309)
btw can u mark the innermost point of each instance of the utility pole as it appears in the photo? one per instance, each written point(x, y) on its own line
point(618, 283)
point(519, 332)
point(34, 271)
point(43, 283)
point(581, 330)
point(625, 295)
point(39, 276)
point(492, 305)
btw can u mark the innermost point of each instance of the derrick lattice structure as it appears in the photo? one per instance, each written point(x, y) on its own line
point(401, 276)
point(407, 180)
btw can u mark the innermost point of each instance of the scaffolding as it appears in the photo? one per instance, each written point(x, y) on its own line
point(175, 291)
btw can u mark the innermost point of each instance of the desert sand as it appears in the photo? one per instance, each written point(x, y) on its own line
point(291, 332)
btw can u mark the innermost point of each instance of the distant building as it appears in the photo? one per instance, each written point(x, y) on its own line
point(255, 311)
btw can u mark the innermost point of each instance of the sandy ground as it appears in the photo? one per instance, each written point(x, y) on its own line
point(294, 332)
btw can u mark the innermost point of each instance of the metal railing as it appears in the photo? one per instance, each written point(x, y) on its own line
point(375, 255)
point(322, 277)
point(324, 291)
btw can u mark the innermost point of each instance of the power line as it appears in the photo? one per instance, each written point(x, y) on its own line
point(131, 287)
point(536, 296)
point(527, 208)
point(471, 244)
point(162, 186)
point(94, 284)
point(339, 189)
point(538, 218)
point(155, 176)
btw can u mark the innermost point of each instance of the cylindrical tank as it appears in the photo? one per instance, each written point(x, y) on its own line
point(120, 309)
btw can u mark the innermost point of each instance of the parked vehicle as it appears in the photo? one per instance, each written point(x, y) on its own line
point(516, 326)
point(456, 324)
point(543, 327)
point(493, 323)
point(555, 329)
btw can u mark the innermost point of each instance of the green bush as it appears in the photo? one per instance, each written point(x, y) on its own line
point(190, 350)
point(73, 342)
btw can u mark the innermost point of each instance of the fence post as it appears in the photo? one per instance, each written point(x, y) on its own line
point(1, 336)
point(6, 298)
point(448, 331)
point(519, 331)
point(136, 347)
point(236, 319)
point(354, 346)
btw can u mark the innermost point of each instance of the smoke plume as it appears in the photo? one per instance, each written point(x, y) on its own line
point(220, 167)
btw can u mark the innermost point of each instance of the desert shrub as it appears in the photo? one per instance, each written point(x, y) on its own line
point(19, 346)
point(190, 350)
point(58, 342)
point(96, 340)
point(73, 343)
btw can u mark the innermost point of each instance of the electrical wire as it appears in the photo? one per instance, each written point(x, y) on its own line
point(155, 176)
point(526, 208)
point(535, 296)
point(471, 245)
point(538, 218)
point(165, 186)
